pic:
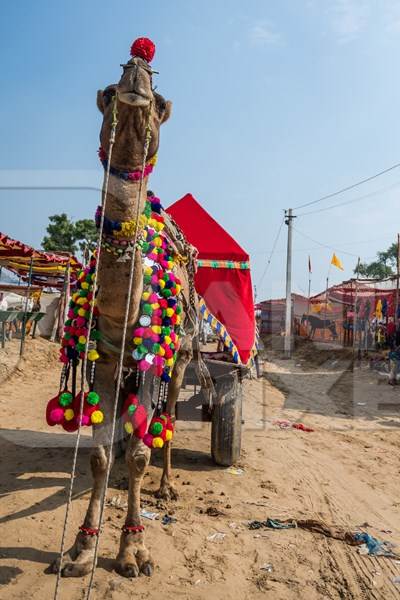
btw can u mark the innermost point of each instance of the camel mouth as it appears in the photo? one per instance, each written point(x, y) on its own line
point(134, 98)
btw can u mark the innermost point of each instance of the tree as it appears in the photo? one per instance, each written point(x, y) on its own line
point(61, 235)
point(65, 235)
point(384, 266)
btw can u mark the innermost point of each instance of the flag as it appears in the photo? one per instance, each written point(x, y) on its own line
point(309, 264)
point(336, 262)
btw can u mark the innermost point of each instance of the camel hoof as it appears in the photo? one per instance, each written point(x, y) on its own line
point(147, 569)
point(76, 569)
point(127, 569)
point(167, 492)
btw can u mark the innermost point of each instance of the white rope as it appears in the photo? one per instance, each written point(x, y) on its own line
point(78, 435)
point(121, 356)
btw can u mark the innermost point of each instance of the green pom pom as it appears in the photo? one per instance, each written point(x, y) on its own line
point(147, 279)
point(65, 399)
point(89, 278)
point(156, 348)
point(80, 347)
point(166, 330)
point(145, 246)
point(95, 334)
point(76, 310)
point(93, 398)
point(142, 349)
point(178, 310)
point(156, 429)
point(68, 322)
point(67, 336)
point(131, 409)
point(147, 310)
point(166, 293)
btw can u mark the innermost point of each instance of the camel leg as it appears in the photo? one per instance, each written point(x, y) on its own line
point(133, 557)
point(79, 559)
point(166, 490)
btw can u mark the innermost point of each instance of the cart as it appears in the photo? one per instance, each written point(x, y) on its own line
point(224, 411)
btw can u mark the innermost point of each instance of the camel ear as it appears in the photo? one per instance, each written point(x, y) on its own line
point(104, 97)
point(163, 107)
point(167, 112)
point(100, 101)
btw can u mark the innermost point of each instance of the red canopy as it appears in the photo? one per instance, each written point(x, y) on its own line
point(223, 278)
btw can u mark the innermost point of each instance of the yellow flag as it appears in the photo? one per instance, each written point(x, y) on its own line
point(336, 262)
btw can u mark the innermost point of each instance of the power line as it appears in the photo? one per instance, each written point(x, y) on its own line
point(370, 195)
point(324, 245)
point(271, 254)
point(350, 187)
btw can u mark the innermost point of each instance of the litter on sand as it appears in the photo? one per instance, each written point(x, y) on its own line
point(283, 424)
point(366, 542)
point(146, 514)
point(235, 470)
point(167, 520)
point(267, 567)
point(396, 580)
point(216, 537)
point(372, 546)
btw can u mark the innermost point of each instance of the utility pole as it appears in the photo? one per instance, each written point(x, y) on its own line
point(396, 309)
point(288, 316)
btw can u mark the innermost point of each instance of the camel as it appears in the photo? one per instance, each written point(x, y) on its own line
point(138, 106)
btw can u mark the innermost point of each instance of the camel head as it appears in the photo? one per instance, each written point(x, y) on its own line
point(137, 105)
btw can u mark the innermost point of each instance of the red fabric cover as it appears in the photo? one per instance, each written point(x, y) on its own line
point(228, 293)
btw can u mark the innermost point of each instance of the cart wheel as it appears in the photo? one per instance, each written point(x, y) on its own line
point(226, 426)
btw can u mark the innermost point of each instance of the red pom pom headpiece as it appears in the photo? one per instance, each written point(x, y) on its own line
point(144, 48)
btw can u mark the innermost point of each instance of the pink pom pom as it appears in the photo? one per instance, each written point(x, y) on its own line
point(80, 322)
point(153, 297)
point(148, 440)
point(139, 331)
point(56, 416)
point(71, 313)
point(144, 365)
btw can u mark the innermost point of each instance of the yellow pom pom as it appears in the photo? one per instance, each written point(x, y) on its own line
point(161, 283)
point(128, 427)
point(82, 339)
point(148, 271)
point(156, 329)
point(168, 435)
point(69, 414)
point(158, 442)
point(169, 362)
point(145, 295)
point(178, 288)
point(84, 285)
point(169, 312)
point(97, 417)
point(155, 305)
point(178, 319)
point(137, 341)
point(93, 355)
point(81, 300)
point(167, 340)
point(82, 312)
point(161, 352)
point(158, 242)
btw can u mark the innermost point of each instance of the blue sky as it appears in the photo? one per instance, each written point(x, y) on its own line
point(274, 105)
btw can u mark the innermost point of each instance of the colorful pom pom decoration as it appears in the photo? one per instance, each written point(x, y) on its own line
point(155, 338)
point(160, 430)
point(144, 48)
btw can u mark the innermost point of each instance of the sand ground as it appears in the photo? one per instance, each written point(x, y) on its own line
point(346, 472)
